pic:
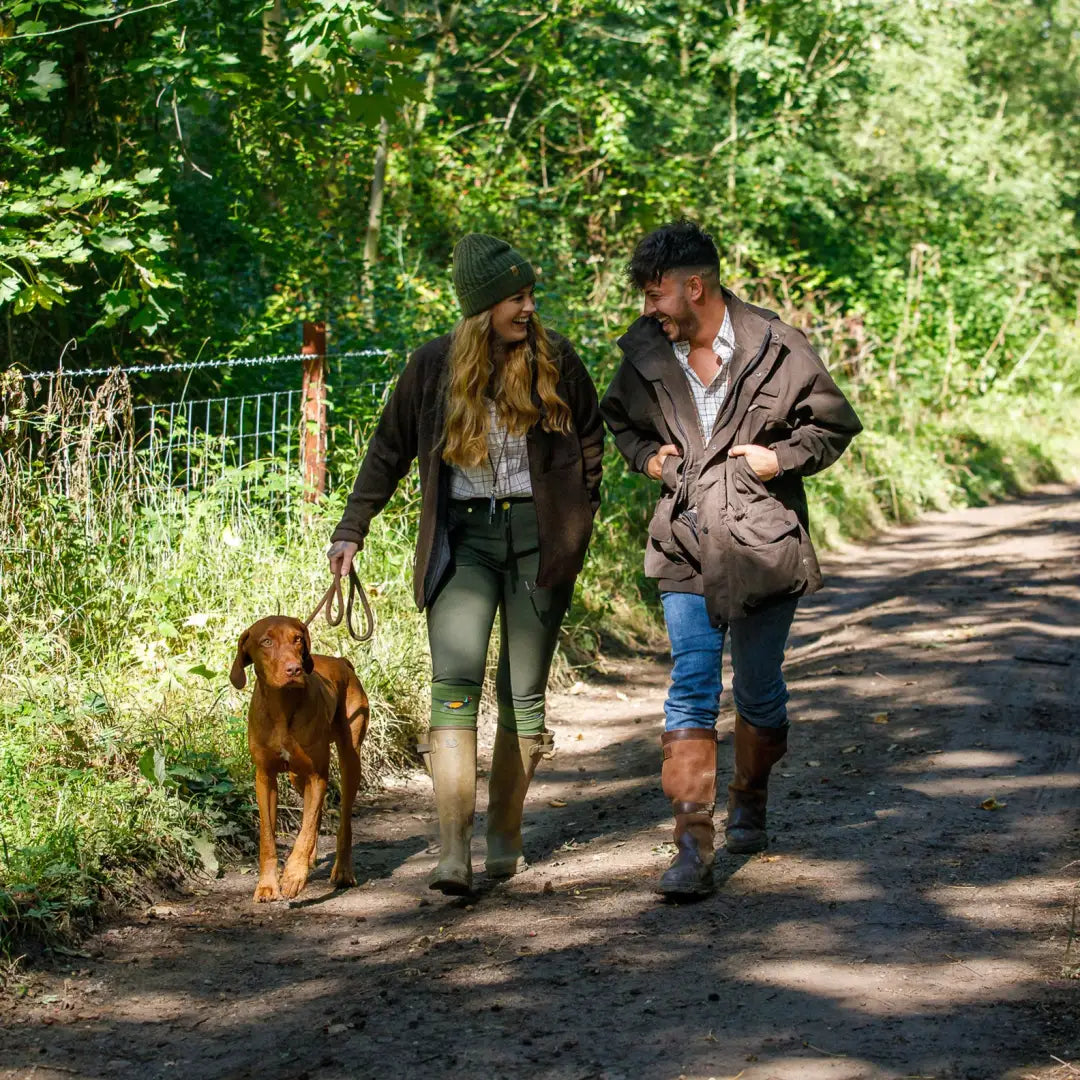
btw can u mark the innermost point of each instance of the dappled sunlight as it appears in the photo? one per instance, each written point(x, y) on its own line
point(962, 759)
point(980, 786)
point(894, 928)
point(827, 1065)
point(894, 988)
point(1007, 904)
point(838, 881)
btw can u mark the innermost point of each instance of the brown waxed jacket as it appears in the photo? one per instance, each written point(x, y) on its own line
point(565, 469)
point(717, 528)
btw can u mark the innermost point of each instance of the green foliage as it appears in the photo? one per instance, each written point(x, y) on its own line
point(225, 152)
point(899, 180)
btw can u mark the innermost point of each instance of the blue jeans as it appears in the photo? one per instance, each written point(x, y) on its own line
point(757, 651)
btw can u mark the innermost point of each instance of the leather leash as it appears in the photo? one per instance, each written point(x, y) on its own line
point(337, 607)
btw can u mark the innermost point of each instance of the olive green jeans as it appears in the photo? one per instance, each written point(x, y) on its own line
point(495, 560)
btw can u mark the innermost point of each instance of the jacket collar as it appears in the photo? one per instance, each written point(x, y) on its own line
point(750, 330)
point(646, 346)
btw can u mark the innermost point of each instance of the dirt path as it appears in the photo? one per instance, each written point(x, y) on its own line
point(895, 929)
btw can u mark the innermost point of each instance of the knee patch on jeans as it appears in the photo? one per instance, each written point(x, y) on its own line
point(523, 716)
point(454, 704)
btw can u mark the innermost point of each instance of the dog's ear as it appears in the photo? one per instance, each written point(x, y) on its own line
point(305, 659)
point(237, 676)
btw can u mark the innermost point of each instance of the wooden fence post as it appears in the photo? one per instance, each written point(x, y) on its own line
point(313, 442)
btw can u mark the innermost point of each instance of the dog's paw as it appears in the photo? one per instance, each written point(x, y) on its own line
point(293, 881)
point(266, 891)
point(342, 877)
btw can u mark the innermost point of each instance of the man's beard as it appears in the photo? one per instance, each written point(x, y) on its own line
point(685, 327)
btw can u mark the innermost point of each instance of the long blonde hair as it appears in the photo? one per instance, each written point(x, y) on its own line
point(474, 378)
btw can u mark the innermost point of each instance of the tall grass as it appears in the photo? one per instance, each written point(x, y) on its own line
point(123, 756)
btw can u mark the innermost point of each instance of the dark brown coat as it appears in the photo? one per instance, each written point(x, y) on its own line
point(718, 529)
point(565, 469)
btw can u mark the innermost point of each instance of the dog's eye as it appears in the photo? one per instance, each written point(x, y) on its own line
point(266, 643)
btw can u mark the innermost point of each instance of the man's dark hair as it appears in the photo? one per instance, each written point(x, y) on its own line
point(679, 245)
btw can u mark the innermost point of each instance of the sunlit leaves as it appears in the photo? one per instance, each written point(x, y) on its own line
point(44, 81)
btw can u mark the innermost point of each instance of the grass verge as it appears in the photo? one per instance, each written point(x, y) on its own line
point(123, 756)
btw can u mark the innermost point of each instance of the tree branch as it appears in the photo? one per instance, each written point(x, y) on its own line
point(508, 42)
point(91, 22)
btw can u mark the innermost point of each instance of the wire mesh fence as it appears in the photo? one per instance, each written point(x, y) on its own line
point(246, 446)
point(199, 442)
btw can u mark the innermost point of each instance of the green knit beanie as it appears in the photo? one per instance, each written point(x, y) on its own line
point(487, 270)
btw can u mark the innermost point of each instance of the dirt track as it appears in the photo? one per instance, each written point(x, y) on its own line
point(895, 928)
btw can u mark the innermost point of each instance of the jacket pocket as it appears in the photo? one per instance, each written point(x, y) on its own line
point(764, 421)
point(766, 543)
point(673, 539)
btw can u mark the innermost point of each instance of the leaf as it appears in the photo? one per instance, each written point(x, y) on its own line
point(204, 848)
point(203, 671)
point(557, 803)
point(95, 704)
point(149, 317)
point(166, 629)
point(992, 804)
point(9, 287)
point(881, 718)
point(152, 765)
point(112, 242)
point(45, 81)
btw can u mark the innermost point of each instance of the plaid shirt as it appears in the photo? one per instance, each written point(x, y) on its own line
point(709, 399)
point(504, 474)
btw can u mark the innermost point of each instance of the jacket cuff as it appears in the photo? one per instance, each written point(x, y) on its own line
point(347, 533)
point(644, 455)
point(787, 457)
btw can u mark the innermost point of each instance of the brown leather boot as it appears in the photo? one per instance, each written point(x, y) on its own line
point(513, 763)
point(757, 750)
point(689, 781)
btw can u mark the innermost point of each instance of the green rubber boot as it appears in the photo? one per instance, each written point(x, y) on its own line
point(513, 763)
point(450, 755)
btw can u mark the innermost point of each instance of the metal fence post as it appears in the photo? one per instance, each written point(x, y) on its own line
point(313, 413)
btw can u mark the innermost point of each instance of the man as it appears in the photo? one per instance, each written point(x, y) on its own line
point(728, 408)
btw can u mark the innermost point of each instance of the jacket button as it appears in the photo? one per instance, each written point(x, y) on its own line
point(705, 529)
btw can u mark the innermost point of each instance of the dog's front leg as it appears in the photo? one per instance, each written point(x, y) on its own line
point(298, 865)
point(266, 794)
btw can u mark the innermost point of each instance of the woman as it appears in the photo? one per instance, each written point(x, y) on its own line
point(504, 420)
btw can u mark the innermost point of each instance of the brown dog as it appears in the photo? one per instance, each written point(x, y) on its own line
point(301, 702)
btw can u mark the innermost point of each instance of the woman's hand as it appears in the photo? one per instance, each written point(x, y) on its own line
point(760, 458)
point(341, 554)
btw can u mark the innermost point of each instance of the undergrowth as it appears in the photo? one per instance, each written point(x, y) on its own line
point(123, 755)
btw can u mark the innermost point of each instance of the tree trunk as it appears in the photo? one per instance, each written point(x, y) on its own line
point(374, 223)
point(272, 19)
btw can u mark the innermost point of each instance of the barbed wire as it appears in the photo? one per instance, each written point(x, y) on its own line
point(245, 361)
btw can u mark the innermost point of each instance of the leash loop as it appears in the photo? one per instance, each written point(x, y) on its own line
point(337, 607)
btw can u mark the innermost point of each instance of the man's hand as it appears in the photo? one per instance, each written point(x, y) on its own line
point(654, 467)
point(760, 458)
point(341, 554)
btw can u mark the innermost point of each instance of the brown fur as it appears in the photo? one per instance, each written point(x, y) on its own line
point(300, 704)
